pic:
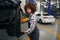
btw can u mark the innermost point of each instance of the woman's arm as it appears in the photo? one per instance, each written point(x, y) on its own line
point(33, 24)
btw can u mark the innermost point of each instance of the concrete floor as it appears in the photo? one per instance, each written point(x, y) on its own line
point(47, 32)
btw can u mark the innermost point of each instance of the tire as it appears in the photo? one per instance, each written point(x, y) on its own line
point(37, 21)
point(40, 21)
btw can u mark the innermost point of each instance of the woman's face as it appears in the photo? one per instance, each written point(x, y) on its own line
point(29, 10)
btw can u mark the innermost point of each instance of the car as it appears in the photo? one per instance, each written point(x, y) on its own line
point(24, 19)
point(45, 18)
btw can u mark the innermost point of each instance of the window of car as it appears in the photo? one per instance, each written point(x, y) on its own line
point(38, 15)
point(46, 14)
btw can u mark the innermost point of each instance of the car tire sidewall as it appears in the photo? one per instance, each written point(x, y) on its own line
point(40, 21)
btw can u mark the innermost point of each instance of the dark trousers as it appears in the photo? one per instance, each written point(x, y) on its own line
point(34, 35)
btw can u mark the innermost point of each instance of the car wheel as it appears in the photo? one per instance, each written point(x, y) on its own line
point(40, 21)
point(37, 21)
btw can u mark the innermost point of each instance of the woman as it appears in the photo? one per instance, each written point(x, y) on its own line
point(32, 30)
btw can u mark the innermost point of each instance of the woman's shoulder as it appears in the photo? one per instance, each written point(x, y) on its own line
point(36, 12)
point(34, 15)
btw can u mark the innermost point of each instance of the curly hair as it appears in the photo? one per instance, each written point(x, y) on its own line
point(31, 6)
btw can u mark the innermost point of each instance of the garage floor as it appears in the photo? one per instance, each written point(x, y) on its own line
point(47, 32)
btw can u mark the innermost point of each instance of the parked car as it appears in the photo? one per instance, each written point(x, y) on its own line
point(45, 18)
